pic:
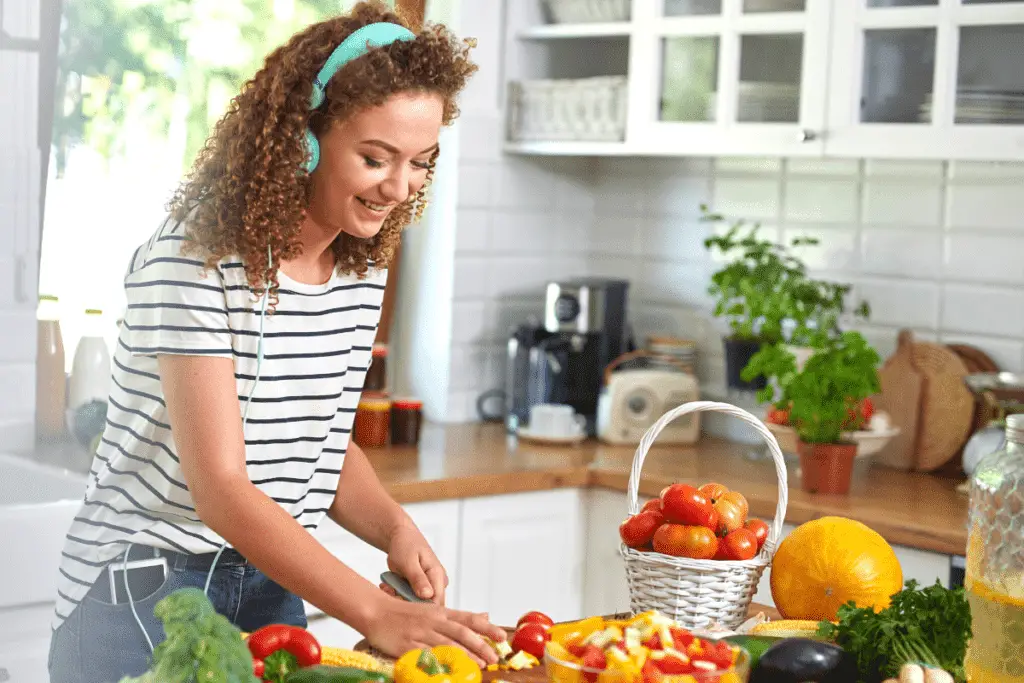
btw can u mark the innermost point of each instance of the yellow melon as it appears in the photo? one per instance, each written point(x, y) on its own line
point(827, 562)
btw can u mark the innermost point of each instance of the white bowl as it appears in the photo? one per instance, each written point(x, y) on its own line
point(868, 442)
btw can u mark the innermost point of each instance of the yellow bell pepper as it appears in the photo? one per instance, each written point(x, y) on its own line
point(441, 664)
point(575, 630)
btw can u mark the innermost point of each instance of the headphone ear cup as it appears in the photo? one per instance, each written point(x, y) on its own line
point(313, 147)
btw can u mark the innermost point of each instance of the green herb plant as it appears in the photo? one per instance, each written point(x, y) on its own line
point(200, 646)
point(764, 284)
point(931, 626)
point(822, 396)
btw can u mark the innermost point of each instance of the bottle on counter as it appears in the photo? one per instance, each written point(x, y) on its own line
point(90, 370)
point(994, 575)
point(377, 373)
point(51, 381)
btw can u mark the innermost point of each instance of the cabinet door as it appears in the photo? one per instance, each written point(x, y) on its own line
point(729, 76)
point(439, 523)
point(522, 552)
point(927, 79)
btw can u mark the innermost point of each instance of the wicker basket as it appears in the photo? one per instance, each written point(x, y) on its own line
point(592, 109)
point(700, 593)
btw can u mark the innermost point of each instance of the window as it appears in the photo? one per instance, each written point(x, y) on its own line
point(140, 84)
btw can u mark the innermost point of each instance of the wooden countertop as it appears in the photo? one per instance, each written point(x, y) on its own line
point(462, 461)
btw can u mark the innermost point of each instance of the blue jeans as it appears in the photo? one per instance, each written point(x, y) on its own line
point(101, 642)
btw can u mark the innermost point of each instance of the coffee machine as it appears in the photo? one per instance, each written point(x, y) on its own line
point(562, 360)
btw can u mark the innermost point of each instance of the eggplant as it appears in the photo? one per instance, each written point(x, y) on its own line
point(802, 660)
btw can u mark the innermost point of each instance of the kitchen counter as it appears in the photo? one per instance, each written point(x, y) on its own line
point(462, 461)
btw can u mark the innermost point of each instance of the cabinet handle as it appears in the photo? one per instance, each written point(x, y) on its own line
point(807, 135)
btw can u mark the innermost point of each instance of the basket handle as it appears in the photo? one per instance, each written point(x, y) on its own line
point(642, 353)
point(775, 529)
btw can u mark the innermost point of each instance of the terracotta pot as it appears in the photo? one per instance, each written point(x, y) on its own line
point(826, 467)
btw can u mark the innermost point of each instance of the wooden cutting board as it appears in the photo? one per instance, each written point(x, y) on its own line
point(947, 406)
point(902, 387)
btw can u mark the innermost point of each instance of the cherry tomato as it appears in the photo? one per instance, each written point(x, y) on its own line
point(779, 416)
point(649, 672)
point(695, 542)
point(593, 658)
point(652, 504)
point(683, 504)
point(535, 618)
point(867, 408)
point(740, 544)
point(673, 663)
point(713, 491)
point(739, 499)
point(760, 529)
point(680, 637)
point(638, 530)
point(730, 516)
point(530, 638)
point(718, 653)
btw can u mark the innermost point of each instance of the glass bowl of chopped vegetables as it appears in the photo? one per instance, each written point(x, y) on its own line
point(707, 662)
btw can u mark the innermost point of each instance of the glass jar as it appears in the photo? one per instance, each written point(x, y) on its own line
point(994, 576)
point(51, 377)
point(406, 417)
point(377, 373)
point(372, 423)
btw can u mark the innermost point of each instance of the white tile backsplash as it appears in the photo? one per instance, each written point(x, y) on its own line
point(902, 253)
point(984, 310)
point(837, 248)
point(821, 201)
point(985, 257)
point(897, 201)
point(989, 205)
point(754, 198)
point(475, 185)
point(902, 303)
point(20, 19)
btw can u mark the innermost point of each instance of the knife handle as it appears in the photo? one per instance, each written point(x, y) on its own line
point(401, 586)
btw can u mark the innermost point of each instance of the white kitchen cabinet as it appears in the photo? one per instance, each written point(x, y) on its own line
point(794, 78)
point(604, 586)
point(439, 522)
point(521, 552)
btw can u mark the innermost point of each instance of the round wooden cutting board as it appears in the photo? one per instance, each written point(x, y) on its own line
point(947, 405)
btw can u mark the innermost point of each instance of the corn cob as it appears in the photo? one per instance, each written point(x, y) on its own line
point(336, 656)
point(787, 628)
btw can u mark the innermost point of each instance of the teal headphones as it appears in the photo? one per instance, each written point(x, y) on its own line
point(356, 45)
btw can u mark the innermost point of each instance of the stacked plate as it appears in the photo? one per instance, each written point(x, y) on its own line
point(976, 105)
point(682, 350)
point(763, 102)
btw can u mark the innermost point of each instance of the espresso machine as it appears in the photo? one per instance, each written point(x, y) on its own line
point(562, 359)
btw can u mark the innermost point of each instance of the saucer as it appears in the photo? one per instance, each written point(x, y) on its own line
point(567, 440)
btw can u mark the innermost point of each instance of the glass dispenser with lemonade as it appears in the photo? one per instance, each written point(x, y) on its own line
point(994, 578)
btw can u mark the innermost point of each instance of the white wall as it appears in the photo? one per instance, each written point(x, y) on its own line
point(19, 219)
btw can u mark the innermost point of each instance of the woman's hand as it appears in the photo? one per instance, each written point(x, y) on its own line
point(399, 626)
point(409, 555)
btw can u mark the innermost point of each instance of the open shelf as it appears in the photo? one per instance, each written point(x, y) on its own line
point(590, 30)
point(581, 148)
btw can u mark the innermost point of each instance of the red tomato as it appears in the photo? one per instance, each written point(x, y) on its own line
point(718, 653)
point(760, 529)
point(673, 663)
point(653, 504)
point(649, 672)
point(739, 499)
point(695, 542)
point(740, 544)
point(680, 637)
point(779, 416)
point(638, 530)
point(535, 618)
point(684, 504)
point(730, 516)
point(713, 491)
point(857, 417)
point(867, 408)
point(530, 638)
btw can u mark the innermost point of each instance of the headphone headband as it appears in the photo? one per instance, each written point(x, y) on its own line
point(356, 45)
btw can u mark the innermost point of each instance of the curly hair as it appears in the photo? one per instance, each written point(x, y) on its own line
point(248, 189)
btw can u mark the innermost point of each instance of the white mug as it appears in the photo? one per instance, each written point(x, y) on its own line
point(555, 420)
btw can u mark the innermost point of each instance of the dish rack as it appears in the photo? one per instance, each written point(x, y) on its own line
point(586, 11)
point(700, 593)
point(592, 109)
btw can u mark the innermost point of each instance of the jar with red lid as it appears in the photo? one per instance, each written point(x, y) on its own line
point(377, 373)
point(406, 419)
point(372, 422)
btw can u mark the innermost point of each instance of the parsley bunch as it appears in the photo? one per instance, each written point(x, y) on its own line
point(930, 626)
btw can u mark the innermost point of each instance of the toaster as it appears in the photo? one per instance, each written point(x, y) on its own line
point(633, 400)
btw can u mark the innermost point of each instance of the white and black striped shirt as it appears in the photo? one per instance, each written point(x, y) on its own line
point(316, 350)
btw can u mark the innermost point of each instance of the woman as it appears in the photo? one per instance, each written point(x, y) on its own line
point(260, 296)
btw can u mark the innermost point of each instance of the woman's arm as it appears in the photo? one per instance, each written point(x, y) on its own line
point(204, 415)
point(362, 505)
point(203, 408)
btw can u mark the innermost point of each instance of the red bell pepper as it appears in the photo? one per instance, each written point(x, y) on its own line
point(279, 649)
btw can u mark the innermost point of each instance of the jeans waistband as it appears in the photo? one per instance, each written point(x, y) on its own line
point(201, 561)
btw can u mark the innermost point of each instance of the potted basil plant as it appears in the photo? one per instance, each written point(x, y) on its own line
point(760, 287)
point(822, 399)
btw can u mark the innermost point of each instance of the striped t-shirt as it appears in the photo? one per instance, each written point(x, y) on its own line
point(316, 350)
